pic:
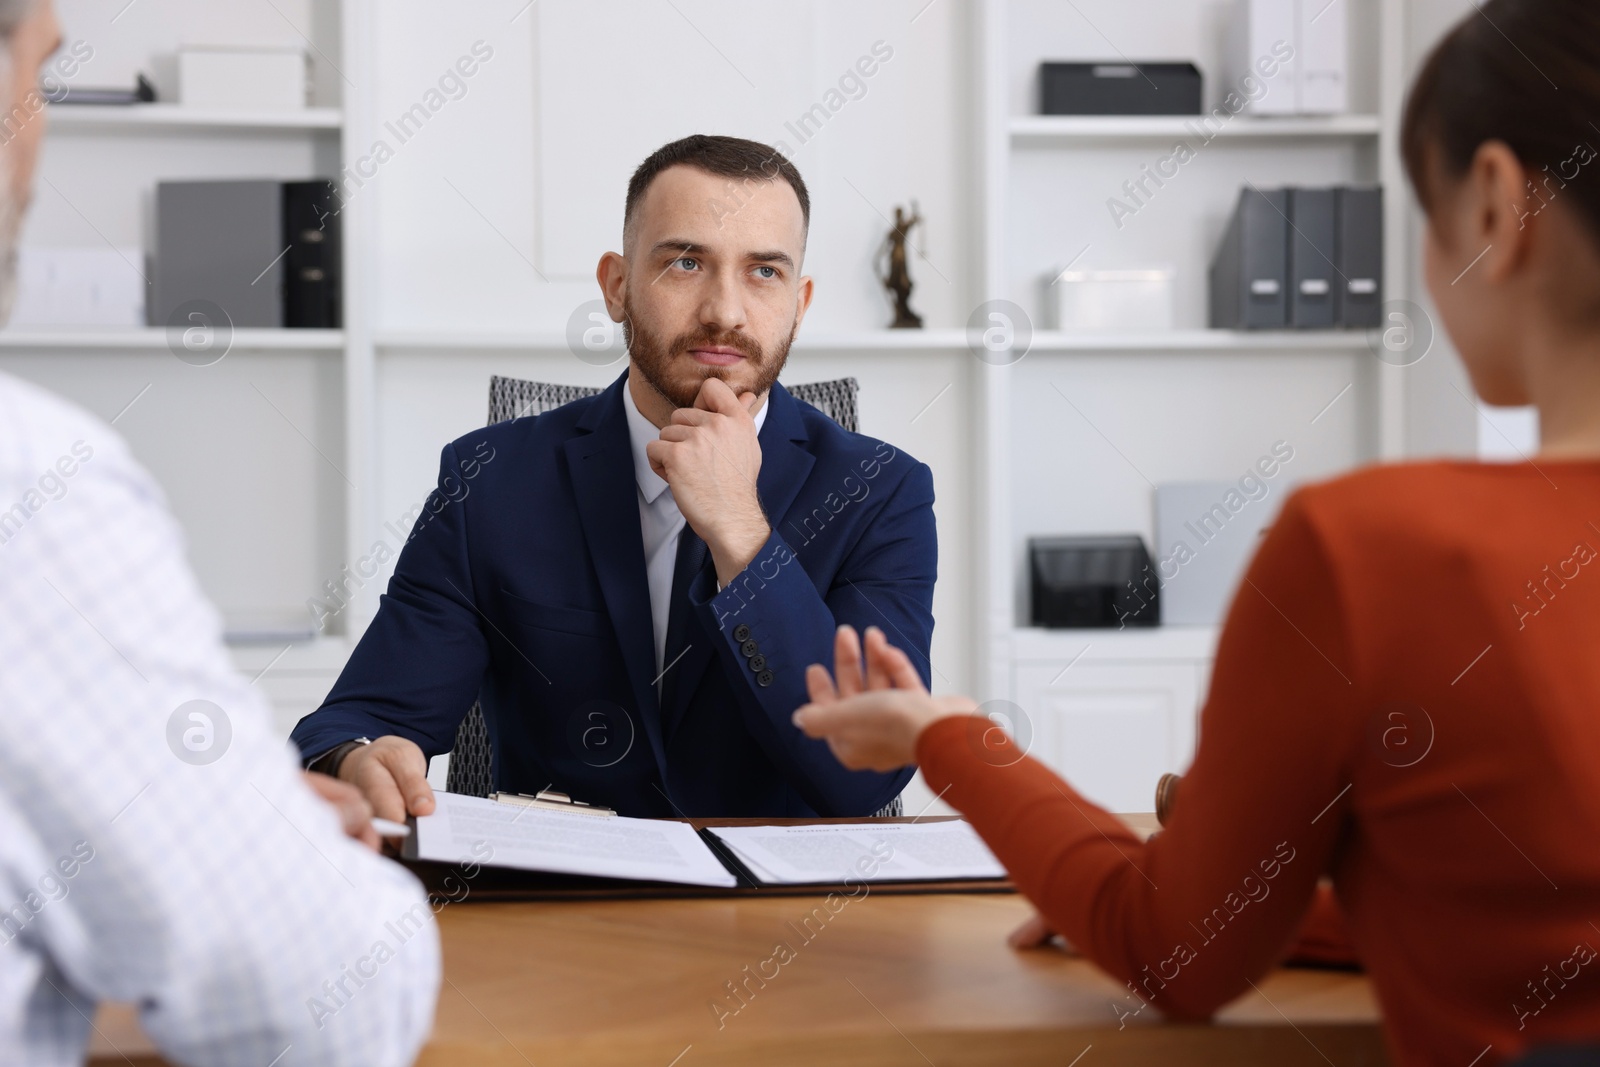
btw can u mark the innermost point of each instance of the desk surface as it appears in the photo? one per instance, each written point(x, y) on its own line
point(911, 980)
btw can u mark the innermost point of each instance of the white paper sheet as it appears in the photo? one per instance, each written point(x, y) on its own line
point(464, 829)
point(866, 852)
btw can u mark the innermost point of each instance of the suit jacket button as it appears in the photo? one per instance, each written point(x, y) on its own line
point(758, 663)
point(764, 679)
point(749, 648)
point(741, 632)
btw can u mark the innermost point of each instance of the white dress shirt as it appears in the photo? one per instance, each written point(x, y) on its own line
point(221, 897)
point(660, 521)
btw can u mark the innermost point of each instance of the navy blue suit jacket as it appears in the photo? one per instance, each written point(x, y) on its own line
point(523, 585)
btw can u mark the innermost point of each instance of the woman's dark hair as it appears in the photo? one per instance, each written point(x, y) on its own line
point(1525, 72)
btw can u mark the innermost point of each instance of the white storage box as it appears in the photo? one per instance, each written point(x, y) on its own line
point(1314, 81)
point(79, 287)
point(1128, 301)
point(265, 78)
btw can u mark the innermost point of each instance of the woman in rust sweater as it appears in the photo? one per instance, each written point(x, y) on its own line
point(1406, 695)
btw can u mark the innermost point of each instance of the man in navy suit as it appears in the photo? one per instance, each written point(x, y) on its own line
point(635, 583)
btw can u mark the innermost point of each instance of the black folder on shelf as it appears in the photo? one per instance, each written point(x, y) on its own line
point(311, 232)
point(1313, 270)
point(265, 253)
point(1360, 244)
point(1249, 275)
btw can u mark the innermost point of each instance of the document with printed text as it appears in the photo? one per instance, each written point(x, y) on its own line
point(862, 852)
point(467, 829)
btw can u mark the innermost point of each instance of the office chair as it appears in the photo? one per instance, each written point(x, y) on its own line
point(512, 398)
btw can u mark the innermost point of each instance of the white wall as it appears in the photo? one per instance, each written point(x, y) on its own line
point(524, 177)
point(1442, 416)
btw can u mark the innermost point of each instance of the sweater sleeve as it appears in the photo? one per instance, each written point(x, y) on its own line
point(1189, 919)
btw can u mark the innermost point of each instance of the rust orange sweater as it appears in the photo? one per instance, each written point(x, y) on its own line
point(1406, 697)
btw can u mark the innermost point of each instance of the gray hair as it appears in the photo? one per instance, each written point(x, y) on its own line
point(13, 13)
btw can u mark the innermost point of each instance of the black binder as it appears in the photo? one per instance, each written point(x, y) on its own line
point(1360, 219)
point(1250, 272)
point(312, 274)
point(1313, 274)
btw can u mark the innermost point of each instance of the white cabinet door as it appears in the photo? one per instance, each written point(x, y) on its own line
point(1111, 729)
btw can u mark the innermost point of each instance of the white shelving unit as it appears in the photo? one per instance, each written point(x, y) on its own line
point(862, 341)
point(942, 340)
point(1115, 709)
point(261, 455)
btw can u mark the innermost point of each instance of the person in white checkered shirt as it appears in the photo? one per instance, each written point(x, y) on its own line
point(158, 845)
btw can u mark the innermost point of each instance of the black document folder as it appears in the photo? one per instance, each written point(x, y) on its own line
point(1360, 220)
point(311, 225)
point(1313, 269)
point(1249, 275)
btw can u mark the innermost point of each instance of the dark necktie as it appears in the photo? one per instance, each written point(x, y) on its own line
point(681, 632)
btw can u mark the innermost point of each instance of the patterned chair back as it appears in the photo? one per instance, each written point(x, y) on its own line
point(472, 760)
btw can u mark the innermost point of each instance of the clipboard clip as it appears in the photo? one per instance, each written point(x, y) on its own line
point(550, 800)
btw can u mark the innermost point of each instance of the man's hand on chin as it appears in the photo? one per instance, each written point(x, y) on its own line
point(710, 457)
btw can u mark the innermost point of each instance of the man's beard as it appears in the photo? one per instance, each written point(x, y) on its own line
point(654, 356)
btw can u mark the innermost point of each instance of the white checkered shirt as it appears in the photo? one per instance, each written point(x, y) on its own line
point(221, 897)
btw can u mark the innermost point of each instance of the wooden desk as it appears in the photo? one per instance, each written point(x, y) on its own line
point(903, 980)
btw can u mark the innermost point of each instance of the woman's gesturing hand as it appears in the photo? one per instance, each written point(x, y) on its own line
point(872, 709)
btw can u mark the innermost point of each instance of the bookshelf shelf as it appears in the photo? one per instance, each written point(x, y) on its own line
point(150, 339)
point(100, 118)
point(890, 341)
point(1031, 644)
point(1056, 130)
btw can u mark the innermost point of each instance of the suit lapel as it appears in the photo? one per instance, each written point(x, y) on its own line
point(600, 464)
point(785, 464)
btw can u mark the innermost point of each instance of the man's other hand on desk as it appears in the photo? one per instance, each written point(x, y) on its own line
point(355, 814)
point(871, 716)
point(392, 773)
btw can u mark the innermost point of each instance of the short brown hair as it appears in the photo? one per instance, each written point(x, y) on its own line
point(1525, 72)
point(727, 157)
